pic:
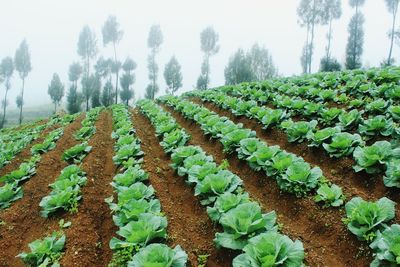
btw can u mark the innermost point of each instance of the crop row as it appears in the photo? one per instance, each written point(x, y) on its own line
point(381, 156)
point(245, 227)
point(137, 211)
point(291, 172)
point(354, 88)
point(65, 195)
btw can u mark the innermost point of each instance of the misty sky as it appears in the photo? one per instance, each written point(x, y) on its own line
point(52, 27)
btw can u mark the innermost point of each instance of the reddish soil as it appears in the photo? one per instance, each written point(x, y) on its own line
point(22, 222)
point(339, 171)
point(189, 225)
point(326, 239)
point(92, 227)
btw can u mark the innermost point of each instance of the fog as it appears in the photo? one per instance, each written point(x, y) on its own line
point(52, 27)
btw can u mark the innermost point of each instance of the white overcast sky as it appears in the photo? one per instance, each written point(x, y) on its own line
point(51, 28)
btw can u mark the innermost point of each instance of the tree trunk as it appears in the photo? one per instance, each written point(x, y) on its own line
point(328, 48)
point(116, 74)
point(55, 107)
point(5, 107)
point(306, 55)
point(116, 87)
point(22, 101)
point(87, 104)
point(355, 39)
point(311, 47)
point(392, 34)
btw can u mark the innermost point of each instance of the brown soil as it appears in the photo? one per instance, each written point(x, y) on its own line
point(22, 222)
point(339, 171)
point(92, 227)
point(326, 239)
point(189, 225)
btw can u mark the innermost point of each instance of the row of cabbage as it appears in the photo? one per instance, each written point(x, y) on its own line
point(354, 88)
point(15, 141)
point(12, 188)
point(338, 142)
point(137, 211)
point(377, 120)
point(66, 190)
point(245, 227)
point(292, 173)
point(65, 195)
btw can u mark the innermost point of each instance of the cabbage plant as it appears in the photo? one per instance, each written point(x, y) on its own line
point(365, 218)
point(392, 174)
point(372, 158)
point(321, 136)
point(348, 120)
point(226, 202)
point(376, 125)
point(76, 153)
point(298, 131)
point(130, 176)
point(331, 195)
point(174, 139)
point(272, 117)
point(141, 231)
point(270, 249)
point(217, 184)
point(44, 252)
point(299, 178)
point(342, 144)
point(242, 222)
point(159, 255)
point(386, 247)
point(9, 192)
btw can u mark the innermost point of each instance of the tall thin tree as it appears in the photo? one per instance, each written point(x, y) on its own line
point(127, 80)
point(73, 97)
point(23, 66)
point(173, 76)
point(87, 47)
point(154, 42)
point(56, 90)
point(355, 43)
point(112, 34)
point(332, 10)
point(6, 72)
point(209, 46)
point(393, 7)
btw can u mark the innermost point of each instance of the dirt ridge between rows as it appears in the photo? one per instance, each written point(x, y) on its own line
point(188, 223)
point(339, 171)
point(326, 239)
point(92, 226)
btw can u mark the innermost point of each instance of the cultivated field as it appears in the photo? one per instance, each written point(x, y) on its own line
point(285, 172)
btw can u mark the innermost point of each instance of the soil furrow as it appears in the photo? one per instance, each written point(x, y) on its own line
point(22, 223)
point(188, 222)
point(92, 226)
point(339, 171)
point(326, 239)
